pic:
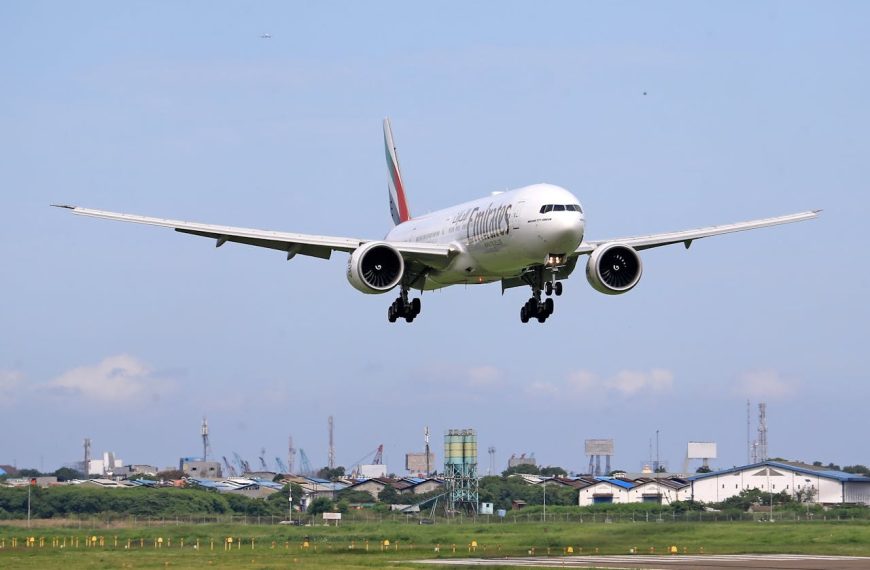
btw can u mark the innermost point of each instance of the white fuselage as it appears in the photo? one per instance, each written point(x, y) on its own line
point(499, 236)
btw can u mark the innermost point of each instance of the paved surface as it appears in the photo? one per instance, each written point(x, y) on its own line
point(643, 562)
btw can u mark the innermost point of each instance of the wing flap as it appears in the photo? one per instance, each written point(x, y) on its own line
point(688, 236)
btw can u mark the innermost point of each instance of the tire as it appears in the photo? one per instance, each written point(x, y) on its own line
point(409, 318)
point(548, 306)
point(416, 305)
point(524, 315)
point(558, 287)
point(542, 318)
point(391, 314)
point(548, 288)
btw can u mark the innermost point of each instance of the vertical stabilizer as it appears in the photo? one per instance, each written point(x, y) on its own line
point(398, 202)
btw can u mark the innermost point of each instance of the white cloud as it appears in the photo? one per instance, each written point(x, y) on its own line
point(588, 385)
point(115, 379)
point(10, 380)
point(631, 382)
point(765, 384)
point(543, 389)
point(484, 376)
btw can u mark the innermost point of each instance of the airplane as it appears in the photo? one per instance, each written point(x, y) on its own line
point(528, 237)
point(266, 36)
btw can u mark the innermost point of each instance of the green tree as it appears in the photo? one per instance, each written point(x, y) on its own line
point(331, 474)
point(704, 469)
point(319, 505)
point(67, 474)
point(389, 495)
point(523, 469)
point(552, 471)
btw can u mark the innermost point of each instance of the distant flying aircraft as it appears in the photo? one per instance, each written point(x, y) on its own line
point(266, 37)
point(532, 236)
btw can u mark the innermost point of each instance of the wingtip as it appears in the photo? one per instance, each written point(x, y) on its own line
point(67, 206)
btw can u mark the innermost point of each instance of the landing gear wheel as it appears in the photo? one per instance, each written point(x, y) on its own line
point(548, 288)
point(409, 318)
point(558, 288)
point(391, 314)
point(415, 306)
point(542, 318)
point(524, 314)
point(548, 307)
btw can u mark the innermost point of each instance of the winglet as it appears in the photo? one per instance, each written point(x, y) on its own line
point(398, 202)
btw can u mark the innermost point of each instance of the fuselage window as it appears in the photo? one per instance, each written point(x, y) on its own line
point(559, 208)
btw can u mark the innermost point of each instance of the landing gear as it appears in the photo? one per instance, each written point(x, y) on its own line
point(535, 308)
point(402, 308)
point(550, 288)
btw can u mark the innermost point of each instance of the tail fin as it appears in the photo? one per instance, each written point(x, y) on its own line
point(398, 203)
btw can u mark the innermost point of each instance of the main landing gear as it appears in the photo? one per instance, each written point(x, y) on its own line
point(402, 308)
point(535, 308)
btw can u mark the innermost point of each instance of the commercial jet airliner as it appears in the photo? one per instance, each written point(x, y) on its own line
point(532, 236)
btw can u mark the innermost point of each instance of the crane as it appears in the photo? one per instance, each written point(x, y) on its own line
point(243, 465)
point(379, 455)
point(263, 459)
point(231, 471)
point(378, 460)
point(280, 466)
point(306, 465)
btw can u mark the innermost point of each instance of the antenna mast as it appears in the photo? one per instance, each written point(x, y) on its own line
point(206, 446)
point(426, 437)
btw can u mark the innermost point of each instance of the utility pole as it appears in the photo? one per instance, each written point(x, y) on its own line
point(331, 461)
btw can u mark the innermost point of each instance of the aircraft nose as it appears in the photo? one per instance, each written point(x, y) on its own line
point(567, 233)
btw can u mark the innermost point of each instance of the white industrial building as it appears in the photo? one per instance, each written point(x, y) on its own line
point(827, 487)
point(605, 491)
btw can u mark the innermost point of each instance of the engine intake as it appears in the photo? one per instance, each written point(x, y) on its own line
point(613, 269)
point(375, 267)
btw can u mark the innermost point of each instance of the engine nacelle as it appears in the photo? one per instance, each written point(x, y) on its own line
point(613, 269)
point(375, 267)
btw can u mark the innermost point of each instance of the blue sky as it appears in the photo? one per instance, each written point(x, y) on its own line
point(129, 335)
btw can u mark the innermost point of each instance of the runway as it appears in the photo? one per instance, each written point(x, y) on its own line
point(642, 562)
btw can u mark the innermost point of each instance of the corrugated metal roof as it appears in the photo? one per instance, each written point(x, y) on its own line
point(827, 474)
point(618, 482)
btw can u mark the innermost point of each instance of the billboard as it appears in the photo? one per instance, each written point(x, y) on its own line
point(701, 450)
point(599, 447)
point(416, 462)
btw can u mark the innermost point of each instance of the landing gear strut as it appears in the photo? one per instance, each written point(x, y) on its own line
point(404, 308)
point(535, 308)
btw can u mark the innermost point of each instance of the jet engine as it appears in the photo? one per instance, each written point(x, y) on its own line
point(613, 269)
point(375, 267)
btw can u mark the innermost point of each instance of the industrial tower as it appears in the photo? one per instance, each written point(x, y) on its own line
point(86, 468)
point(460, 469)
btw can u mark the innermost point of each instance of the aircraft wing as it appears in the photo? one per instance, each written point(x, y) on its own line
point(426, 254)
point(686, 237)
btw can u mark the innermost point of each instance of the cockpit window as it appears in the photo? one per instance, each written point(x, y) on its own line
point(547, 208)
point(559, 208)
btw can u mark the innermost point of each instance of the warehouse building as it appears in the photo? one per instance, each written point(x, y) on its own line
point(823, 486)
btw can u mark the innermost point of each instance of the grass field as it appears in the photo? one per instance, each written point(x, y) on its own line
point(361, 545)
